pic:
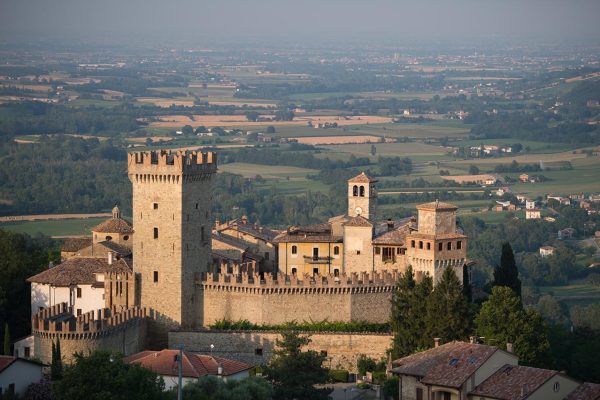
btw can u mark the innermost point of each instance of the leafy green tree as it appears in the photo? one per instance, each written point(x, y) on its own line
point(213, 388)
point(294, 373)
point(448, 313)
point(373, 150)
point(507, 274)
point(409, 308)
point(252, 116)
point(270, 129)
point(502, 320)
point(552, 310)
point(473, 170)
point(187, 130)
point(6, 349)
point(101, 375)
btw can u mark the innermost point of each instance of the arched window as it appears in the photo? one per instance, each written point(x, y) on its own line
point(362, 191)
point(108, 238)
point(355, 191)
point(125, 238)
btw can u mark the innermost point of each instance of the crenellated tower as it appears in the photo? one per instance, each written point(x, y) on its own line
point(172, 216)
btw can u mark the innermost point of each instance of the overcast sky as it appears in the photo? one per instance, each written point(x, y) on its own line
point(191, 20)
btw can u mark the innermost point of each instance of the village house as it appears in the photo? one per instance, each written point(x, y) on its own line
point(567, 233)
point(165, 363)
point(546, 251)
point(533, 213)
point(16, 374)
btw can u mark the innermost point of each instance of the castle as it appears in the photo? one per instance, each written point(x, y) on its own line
point(173, 273)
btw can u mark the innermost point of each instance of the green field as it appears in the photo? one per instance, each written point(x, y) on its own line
point(571, 295)
point(57, 227)
point(276, 172)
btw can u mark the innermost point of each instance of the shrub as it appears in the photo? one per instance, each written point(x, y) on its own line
point(339, 375)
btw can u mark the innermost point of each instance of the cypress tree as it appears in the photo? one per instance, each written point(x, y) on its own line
point(448, 314)
point(6, 340)
point(507, 274)
point(408, 311)
point(56, 363)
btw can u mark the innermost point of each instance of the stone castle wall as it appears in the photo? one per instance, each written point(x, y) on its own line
point(280, 299)
point(256, 347)
point(122, 331)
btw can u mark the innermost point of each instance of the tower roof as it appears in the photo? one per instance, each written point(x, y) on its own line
point(362, 178)
point(116, 224)
point(437, 206)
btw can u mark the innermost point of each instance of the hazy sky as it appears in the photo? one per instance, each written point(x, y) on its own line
point(190, 20)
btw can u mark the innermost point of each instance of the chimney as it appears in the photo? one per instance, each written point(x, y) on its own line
point(110, 258)
point(509, 347)
point(473, 339)
point(390, 224)
point(436, 340)
point(50, 265)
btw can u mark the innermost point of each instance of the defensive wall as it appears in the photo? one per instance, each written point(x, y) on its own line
point(283, 298)
point(110, 329)
point(256, 347)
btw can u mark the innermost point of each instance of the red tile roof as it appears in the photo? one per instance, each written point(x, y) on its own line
point(114, 225)
point(437, 205)
point(358, 221)
point(449, 365)
point(79, 271)
point(362, 178)
point(164, 362)
point(5, 362)
point(585, 391)
point(513, 382)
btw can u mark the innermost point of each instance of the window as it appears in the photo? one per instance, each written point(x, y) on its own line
point(362, 191)
point(420, 244)
point(324, 353)
point(336, 272)
point(556, 386)
point(377, 250)
point(315, 271)
point(294, 249)
point(108, 238)
point(315, 252)
point(125, 238)
point(398, 250)
point(358, 252)
point(196, 206)
point(202, 234)
point(78, 312)
point(266, 255)
point(155, 233)
point(27, 352)
point(428, 246)
point(449, 246)
point(155, 206)
point(459, 245)
point(388, 254)
point(419, 394)
point(440, 246)
point(78, 292)
point(412, 244)
point(294, 270)
point(336, 250)
point(155, 276)
point(258, 352)
point(355, 190)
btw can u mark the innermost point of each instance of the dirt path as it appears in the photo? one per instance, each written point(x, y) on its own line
point(38, 217)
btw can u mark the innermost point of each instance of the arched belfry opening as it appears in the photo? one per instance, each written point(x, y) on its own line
point(355, 191)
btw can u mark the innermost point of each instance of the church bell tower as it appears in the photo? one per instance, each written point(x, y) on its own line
point(362, 197)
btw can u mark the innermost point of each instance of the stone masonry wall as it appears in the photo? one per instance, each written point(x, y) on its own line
point(255, 347)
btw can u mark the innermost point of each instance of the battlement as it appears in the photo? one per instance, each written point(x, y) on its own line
point(173, 164)
point(280, 283)
point(59, 320)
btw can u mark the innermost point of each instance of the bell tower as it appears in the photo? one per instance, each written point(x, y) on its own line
point(362, 197)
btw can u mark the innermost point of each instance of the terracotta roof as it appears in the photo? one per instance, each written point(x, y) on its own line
point(513, 382)
point(362, 178)
point(7, 361)
point(114, 225)
point(438, 236)
point(250, 229)
point(227, 254)
point(395, 236)
point(437, 205)
point(320, 233)
point(232, 241)
point(74, 244)
point(585, 391)
point(101, 249)
point(449, 365)
point(358, 221)
point(164, 362)
point(78, 271)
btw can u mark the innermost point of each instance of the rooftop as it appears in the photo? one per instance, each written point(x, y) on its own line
point(114, 225)
point(164, 362)
point(585, 391)
point(449, 365)
point(79, 271)
point(437, 206)
point(358, 221)
point(513, 382)
point(362, 178)
point(74, 244)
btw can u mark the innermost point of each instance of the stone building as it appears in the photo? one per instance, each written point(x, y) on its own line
point(356, 242)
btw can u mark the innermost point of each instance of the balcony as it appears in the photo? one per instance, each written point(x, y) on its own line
point(317, 260)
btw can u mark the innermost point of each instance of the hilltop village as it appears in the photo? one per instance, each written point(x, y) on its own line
point(170, 274)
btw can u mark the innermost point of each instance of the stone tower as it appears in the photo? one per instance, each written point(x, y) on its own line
point(172, 219)
point(362, 197)
point(436, 244)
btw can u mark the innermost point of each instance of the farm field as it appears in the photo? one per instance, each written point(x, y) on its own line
point(267, 171)
point(55, 228)
point(577, 294)
point(241, 120)
point(340, 140)
point(408, 149)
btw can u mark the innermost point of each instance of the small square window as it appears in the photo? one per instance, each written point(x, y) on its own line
point(155, 206)
point(358, 252)
point(258, 352)
point(155, 276)
point(459, 245)
point(324, 353)
point(78, 312)
point(155, 233)
point(336, 250)
point(377, 250)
